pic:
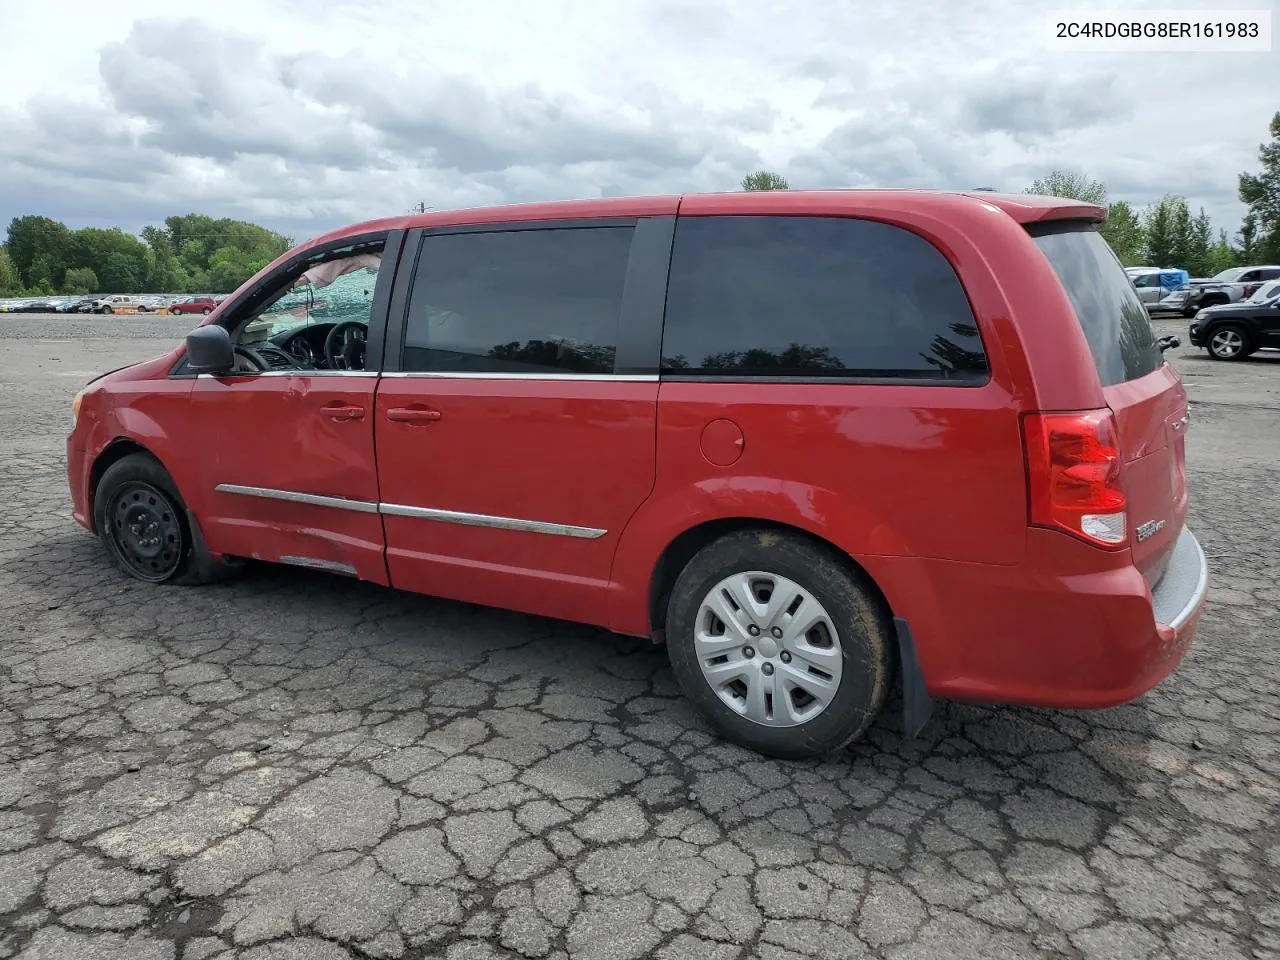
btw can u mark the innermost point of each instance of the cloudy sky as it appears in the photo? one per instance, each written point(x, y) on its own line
point(307, 114)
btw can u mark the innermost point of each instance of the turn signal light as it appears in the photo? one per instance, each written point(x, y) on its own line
point(1073, 475)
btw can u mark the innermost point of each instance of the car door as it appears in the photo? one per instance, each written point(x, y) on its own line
point(288, 463)
point(515, 435)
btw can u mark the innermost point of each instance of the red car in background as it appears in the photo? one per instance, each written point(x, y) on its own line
point(202, 305)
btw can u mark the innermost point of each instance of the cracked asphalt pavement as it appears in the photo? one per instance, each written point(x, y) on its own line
point(294, 766)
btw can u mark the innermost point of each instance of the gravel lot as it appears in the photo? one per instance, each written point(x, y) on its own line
point(299, 767)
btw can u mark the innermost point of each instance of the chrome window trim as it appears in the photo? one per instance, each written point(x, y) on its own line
point(311, 499)
point(496, 523)
point(467, 375)
point(418, 513)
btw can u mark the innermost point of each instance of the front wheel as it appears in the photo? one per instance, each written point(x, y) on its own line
point(107, 310)
point(1229, 342)
point(207, 310)
point(143, 523)
point(779, 645)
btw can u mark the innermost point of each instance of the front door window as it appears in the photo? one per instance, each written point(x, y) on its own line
point(317, 319)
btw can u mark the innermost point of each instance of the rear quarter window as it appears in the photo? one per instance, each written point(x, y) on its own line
point(1114, 321)
point(815, 297)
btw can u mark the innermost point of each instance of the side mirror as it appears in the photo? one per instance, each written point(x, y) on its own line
point(209, 350)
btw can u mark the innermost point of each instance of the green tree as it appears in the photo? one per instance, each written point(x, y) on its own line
point(1124, 232)
point(9, 281)
point(1181, 225)
point(80, 280)
point(1221, 255)
point(1166, 222)
point(165, 274)
point(38, 249)
point(1260, 192)
point(1199, 243)
point(120, 273)
point(119, 259)
point(1076, 186)
point(764, 180)
point(1248, 238)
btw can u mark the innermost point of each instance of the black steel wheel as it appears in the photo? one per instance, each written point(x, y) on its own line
point(143, 522)
point(145, 531)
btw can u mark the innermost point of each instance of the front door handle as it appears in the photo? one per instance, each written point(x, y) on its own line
point(412, 415)
point(337, 410)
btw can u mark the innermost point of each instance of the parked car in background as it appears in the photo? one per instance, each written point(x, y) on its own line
point(78, 305)
point(1233, 331)
point(120, 303)
point(1154, 284)
point(204, 305)
point(810, 440)
point(1229, 286)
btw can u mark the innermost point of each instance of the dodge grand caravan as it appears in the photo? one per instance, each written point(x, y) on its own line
point(812, 441)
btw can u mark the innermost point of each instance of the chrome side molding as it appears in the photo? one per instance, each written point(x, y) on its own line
point(418, 513)
point(311, 499)
point(496, 523)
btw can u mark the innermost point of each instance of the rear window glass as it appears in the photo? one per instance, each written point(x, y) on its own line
point(1114, 320)
point(815, 297)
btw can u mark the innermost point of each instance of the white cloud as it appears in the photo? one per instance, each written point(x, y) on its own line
point(311, 113)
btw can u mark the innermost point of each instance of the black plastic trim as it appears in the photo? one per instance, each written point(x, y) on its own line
point(917, 705)
point(507, 227)
point(377, 333)
point(889, 381)
point(398, 306)
point(644, 297)
point(1044, 228)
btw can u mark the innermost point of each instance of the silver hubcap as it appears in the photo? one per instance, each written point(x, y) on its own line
point(768, 649)
point(1227, 343)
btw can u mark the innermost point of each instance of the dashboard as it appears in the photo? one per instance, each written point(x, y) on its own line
point(305, 348)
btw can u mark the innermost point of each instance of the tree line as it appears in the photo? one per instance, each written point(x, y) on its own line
point(1166, 233)
point(189, 254)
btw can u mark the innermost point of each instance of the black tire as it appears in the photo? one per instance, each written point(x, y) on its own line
point(1218, 350)
point(107, 310)
point(1189, 312)
point(143, 523)
point(207, 310)
point(863, 628)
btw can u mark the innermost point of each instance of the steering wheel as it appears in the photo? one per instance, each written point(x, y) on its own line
point(255, 363)
point(344, 346)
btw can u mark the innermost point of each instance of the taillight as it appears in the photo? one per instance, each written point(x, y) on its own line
point(1073, 475)
point(1250, 289)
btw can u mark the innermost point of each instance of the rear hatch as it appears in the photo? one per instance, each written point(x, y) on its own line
point(1144, 393)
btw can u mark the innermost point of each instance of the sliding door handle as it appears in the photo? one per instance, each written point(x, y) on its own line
point(412, 415)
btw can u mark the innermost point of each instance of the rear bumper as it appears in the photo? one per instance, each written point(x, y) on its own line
point(1052, 632)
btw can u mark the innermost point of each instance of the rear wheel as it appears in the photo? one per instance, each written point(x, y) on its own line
point(1229, 342)
point(143, 523)
point(778, 644)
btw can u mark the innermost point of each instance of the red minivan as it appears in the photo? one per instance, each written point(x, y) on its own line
point(812, 441)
